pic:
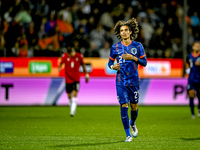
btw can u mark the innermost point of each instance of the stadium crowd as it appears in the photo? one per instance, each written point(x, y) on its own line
point(32, 28)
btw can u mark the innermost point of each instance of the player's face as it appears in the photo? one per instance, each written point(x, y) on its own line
point(196, 46)
point(73, 52)
point(125, 32)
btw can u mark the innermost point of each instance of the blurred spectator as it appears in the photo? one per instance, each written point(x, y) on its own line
point(194, 19)
point(90, 24)
point(14, 31)
point(64, 27)
point(15, 7)
point(128, 14)
point(81, 37)
point(66, 13)
point(190, 37)
point(153, 17)
point(173, 28)
point(24, 18)
point(163, 13)
point(105, 51)
point(2, 46)
point(106, 20)
point(31, 35)
point(148, 30)
point(158, 46)
point(51, 22)
point(23, 46)
point(97, 36)
point(92, 51)
point(92, 21)
point(40, 11)
point(41, 32)
point(86, 8)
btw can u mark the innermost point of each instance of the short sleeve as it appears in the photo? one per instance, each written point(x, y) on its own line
point(63, 58)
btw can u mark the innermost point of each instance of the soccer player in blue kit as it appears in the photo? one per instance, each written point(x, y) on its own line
point(193, 69)
point(128, 54)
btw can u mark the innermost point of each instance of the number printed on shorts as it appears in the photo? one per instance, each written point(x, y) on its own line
point(136, 94)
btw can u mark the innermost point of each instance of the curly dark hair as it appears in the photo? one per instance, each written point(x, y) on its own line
point(133, 26)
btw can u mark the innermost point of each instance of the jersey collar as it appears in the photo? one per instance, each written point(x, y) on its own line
point(128, 44)
point(196, 55)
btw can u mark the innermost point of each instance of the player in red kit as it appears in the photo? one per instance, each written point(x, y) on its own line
point(72, 61)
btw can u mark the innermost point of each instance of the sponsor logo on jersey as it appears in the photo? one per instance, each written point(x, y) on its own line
point(40, 67)
point(6, 67)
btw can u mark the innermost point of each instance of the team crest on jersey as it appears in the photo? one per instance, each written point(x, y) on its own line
point(134, 51)
point(68, 59)
point(76, 59)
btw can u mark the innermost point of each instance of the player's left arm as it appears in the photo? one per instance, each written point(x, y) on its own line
point(84, 69)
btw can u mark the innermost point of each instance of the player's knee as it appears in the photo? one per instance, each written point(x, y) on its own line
point(134, 107)
point(69, 95)
point(191, 93)
point(124, 105)
point(75, 93)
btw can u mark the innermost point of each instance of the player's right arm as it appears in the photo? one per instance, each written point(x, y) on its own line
point(61, 62)
point(188, 65)
point(112, 59)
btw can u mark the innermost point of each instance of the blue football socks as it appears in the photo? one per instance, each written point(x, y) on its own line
point(192, 105)
point(134, 115)
point(125, 120)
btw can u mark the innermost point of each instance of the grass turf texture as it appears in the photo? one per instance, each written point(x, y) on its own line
point(160, 127)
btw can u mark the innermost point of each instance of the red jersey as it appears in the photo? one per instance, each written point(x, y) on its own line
point(72, 65)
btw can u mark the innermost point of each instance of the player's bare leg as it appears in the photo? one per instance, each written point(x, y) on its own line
point(69, 99)
point(134, 114)
point(192, 95)
point(74, 103)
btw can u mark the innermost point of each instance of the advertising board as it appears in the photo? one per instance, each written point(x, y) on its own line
point(97, 67)
point(99, 91)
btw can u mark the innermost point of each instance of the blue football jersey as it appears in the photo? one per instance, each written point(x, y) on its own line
point(194, 75)
point(128, 73)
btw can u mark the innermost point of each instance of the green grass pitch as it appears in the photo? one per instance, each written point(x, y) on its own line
point(97, 128)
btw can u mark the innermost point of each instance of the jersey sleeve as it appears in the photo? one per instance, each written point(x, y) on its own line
point(112, 56)
point(81, 59)
point(63, 58)
point(141, 51)
point(142, 56)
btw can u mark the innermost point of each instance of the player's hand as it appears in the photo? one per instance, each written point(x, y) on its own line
point(197, 62)
point(59, 69)
point(116, 66)
point(127, 56)
point(86, 77)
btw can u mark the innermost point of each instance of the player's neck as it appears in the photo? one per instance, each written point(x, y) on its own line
point(196, 53)
point(126, 41)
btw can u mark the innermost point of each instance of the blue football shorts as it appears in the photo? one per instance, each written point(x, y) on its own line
point(193, 86)
point(126, 94)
